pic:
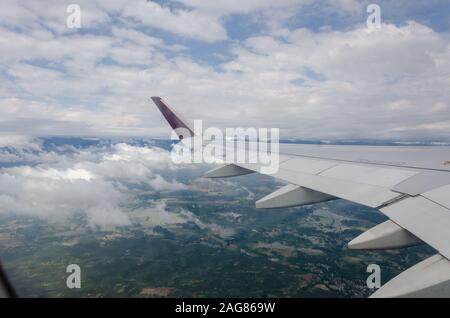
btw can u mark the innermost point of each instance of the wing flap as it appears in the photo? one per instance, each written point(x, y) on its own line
point(310, 166)
point(425, 219)
point(424, 181)
point(429, 278)
point(383, 177)
point(372, 196)
point(440, 196)
point(366, 194)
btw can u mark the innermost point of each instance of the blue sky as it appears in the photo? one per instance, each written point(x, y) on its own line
point(309, 67)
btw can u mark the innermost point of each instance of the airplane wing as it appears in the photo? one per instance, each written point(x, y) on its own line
point(410, 185)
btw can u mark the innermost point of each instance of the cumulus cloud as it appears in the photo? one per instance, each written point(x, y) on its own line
point(31, 15)
point(189, 23)
point(244, 6)
point(94, 182)
point(47, 194)
point(311, 82)
point(159, 215)
point(351, 83)
point(14, 140)
point(104, 184)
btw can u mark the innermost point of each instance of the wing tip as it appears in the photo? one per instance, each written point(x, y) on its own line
point(173, 118)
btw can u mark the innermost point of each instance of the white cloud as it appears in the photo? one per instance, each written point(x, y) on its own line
point(327, 84)
point(159, 215)
point(188, 23)
point(161, 184)
point(243, 6)
point(13, 141)
point(93, 182)
point(98, 183)
point(30, 15)
point(53, 174)
point(345, 7)
point(34, 193)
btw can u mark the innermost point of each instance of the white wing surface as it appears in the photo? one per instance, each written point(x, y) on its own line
point(410, 185)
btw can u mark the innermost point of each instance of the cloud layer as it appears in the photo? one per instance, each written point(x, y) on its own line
point(311, 68)
point(96, 183)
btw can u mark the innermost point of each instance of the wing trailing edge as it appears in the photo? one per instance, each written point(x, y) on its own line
point(429, 278)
